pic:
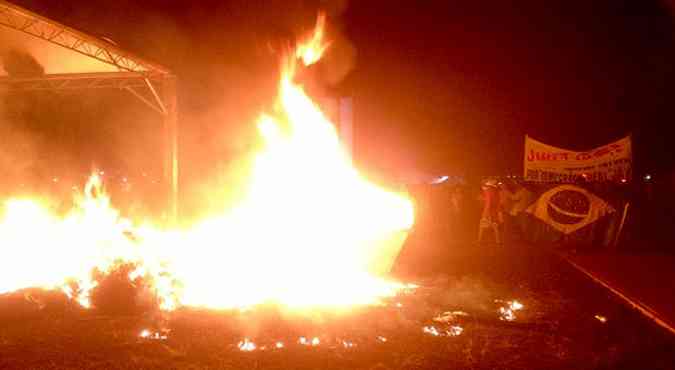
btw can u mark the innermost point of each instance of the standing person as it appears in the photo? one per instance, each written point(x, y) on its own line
point(491, 216)
point(520, 200)
point(505, 203)
point(454, 211)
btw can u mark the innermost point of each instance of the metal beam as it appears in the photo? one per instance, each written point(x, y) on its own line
point(145, 100)
point(74, 81)
point(53, 32)
point(156, 96)
point(171, 144)
point(135, 72)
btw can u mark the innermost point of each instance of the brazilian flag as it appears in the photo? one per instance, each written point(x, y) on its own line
point(574, 212)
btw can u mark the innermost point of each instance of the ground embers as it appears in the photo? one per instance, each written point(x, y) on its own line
point(456, 319)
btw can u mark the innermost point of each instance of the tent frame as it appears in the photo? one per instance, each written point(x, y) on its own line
point(135, 75)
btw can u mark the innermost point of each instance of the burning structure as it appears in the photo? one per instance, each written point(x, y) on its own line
point(40, 54)
point(309, 231)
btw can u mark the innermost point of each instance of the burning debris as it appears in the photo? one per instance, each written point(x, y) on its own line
point(155, 335)
point(508, 311)
point(307, 342)
point(455, 330)
point(348, 344)
point(450, 316)
point(452, 331)
point(249, 345)
point(246, 345)
point(329, 237)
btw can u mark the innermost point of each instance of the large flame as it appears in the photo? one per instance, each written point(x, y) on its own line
point(43, 249)
point(310, 231)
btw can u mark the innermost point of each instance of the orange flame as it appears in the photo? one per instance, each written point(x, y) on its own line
point(310, 230)
point(311, 49)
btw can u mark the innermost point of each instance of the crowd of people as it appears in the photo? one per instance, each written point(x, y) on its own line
point(493, 211)
point(454, 209)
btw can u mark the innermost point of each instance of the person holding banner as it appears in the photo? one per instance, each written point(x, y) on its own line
point(491, 217)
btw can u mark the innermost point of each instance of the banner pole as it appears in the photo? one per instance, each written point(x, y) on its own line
point(623, 221)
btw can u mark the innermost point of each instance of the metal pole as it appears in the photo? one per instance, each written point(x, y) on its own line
point(171, 146)
point(623, 221)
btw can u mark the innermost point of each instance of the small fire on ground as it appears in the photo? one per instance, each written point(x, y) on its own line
point(508, 310)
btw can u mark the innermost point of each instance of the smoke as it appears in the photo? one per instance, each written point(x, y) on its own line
point(18, 48)
point(340, 58)
point(51, 140)
point(17, 147)
point(233, 80)
point(227, 76)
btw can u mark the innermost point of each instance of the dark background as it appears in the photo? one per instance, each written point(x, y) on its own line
point(439, 86)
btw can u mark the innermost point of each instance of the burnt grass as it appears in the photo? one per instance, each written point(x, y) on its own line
point(556, 329)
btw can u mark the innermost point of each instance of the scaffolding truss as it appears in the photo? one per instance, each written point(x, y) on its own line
point(136, 75)
point(75, 81)
point(35, 25)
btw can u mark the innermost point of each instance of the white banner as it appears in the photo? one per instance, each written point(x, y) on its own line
point(545, 163)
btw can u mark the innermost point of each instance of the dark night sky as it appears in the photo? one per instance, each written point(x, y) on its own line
point(441, 86)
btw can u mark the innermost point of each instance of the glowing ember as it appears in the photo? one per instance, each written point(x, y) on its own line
point(508, 312)
point(279, 345)
point(431, 330)
point(307, 342)
point(147, 334)
point(455, 330)
point(348, 344)
point(515, 305)
point(246, 345)
point(382, 339)
point(452, 331)
point(449, 316)
point(601, 318)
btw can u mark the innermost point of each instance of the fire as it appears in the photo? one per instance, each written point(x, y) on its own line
point(310, 230)
point(311, 49)
point(50, 251)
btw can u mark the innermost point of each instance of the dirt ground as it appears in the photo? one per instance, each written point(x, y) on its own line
point(566, 322)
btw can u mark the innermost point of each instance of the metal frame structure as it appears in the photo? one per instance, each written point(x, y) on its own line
point(135, 75)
